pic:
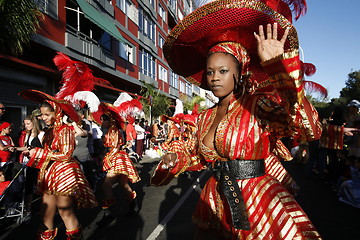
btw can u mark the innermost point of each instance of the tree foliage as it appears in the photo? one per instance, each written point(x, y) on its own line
point(189, 103)
point(352, 88)
point(19, 19)
point(153, 100)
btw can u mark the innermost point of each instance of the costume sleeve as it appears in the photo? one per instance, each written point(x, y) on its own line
point(332, 137)
point(187, 160)
point(61, 150)
point(112, 140)
point(285, 76)
point(288, 111)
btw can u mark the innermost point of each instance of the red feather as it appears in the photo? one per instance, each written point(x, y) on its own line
point(308, 68)
point(77, 76)
point(285, 7)
point(313, 86)
point(130, 109)
point(299, 7)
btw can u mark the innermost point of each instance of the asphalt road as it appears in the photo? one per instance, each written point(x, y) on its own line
point(166, 211)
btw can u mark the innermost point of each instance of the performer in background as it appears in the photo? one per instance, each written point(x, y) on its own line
point(116, 163)
point(60, 192)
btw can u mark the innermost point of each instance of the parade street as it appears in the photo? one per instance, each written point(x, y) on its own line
point(166, 211)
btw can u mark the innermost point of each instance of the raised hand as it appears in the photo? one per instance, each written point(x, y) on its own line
point(269, 46)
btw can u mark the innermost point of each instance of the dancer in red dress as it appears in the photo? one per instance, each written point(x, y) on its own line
point(60, 181)
point(246, 53)
point(116, 163)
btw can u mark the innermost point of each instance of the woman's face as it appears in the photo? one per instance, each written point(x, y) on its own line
point(221, 72)
point(47, 115)
point(2, 177)
point(104, 122)
point(7, 130)
point(28, 124)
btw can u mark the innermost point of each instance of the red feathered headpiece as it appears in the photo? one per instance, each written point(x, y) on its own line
point(77, 77)
point(129, 108)
point(191, 118)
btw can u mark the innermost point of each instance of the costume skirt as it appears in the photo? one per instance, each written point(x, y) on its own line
point(67, 179)
point(120, 163)
point(272, 211)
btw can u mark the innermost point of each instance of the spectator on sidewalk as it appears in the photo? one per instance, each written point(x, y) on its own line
point(130, 135)
point(140, 136)
point(2, 112)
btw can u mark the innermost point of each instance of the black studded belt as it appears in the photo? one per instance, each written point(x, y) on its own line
point(227, 172)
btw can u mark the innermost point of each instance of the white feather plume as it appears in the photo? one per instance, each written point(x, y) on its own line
point(179, 108)
point(123, 97)
point(91, 100)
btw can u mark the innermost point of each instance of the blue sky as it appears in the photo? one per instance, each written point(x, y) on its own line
point(329, 34)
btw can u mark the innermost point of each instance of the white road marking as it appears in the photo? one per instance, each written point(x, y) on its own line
point(156, 232)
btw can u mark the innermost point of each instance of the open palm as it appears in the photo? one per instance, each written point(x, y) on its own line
point(269, 46)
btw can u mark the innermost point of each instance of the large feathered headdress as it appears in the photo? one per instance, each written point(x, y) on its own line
point(128, 107)
point(77, 82)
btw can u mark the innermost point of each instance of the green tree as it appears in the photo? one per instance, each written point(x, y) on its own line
point(189, 103)
point(352, 88)
point(19, 19)
point(154, 103)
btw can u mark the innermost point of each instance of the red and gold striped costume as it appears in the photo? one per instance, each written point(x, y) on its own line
point(60, 174)
point(246, 132)
point(116, 160)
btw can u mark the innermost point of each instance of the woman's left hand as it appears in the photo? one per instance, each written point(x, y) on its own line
point(269, 46)
point(32, 152)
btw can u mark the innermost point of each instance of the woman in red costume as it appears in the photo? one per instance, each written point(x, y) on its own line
point(256, 75)
point(61, 181)
point(116, 163)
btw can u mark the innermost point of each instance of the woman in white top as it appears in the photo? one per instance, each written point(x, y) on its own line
point(30, 137)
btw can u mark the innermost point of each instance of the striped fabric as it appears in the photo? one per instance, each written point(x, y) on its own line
point(273, 212)
point(117, 161)
point(332, 137)
point(62, 175)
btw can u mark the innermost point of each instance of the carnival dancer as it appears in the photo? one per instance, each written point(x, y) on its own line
point(116, 163)
point(223, 47)
point(60, 191)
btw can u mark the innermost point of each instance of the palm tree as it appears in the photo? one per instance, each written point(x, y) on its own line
point(19, 19)
point(154, 103)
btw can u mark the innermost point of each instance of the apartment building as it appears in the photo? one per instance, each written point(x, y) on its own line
point(121, 41)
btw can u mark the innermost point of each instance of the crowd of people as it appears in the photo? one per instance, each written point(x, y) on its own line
point(334, 157)
point(99, 153)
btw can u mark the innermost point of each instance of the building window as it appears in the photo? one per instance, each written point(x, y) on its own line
point(180, 15)
point(161, 41)
point(182, 86)
point(82, 27)
point(174, 80)
point(162, 13)
point(172, 4)
point(152, 3)
point(124, 5)
point(105, 41)
point(147, 63)
point(146, 25)
point(48, 7)
point(188, 90)
point(197, 89)
point(163, 75)
point(126, 51)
